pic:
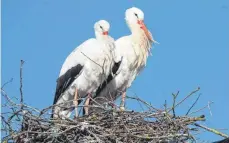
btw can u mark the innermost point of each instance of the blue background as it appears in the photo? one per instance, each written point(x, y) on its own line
point(193, 50)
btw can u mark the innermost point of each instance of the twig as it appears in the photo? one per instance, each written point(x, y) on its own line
point(193, 92)
point(11, 80)
point(209, 103)
point(211, 130)
point(139, 103)
point(193, 104)
point(144, 102)
point(174, 103)
point(21, 85)
point(92, 60)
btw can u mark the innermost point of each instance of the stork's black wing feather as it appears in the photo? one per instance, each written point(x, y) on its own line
point(64, 81)
point(110, 77)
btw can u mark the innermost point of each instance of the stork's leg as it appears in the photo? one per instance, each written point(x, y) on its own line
point(86, 108)
point(122, 106)
point(76, 103)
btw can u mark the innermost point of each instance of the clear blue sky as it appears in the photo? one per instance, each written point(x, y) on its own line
point(193, 49)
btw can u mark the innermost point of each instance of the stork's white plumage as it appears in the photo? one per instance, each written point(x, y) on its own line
point(135, 50)
point(84, 70)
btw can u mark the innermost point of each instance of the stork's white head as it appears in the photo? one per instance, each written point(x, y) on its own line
point(135, 20)
point(101, 28)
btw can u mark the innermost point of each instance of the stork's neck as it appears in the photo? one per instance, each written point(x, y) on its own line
point(141, 44)
point(99, 36)
point(109, 46)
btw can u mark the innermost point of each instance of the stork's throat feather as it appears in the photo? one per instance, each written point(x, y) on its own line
point(142, 46)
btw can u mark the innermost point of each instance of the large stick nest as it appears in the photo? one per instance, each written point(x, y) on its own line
point(109, 127)
point(22, 123)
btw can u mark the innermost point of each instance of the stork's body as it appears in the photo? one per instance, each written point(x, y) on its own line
point(134, 50)
point(84, 70)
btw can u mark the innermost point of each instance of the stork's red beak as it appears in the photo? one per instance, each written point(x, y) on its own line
point(105, 33)
point(144, 28)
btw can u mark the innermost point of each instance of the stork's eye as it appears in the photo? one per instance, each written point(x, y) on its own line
point(136, 15)
point(101, 27)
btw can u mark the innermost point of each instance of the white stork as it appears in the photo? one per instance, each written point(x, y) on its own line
point(134, 50)
point(84, 70)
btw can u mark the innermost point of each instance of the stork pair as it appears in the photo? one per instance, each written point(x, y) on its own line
point(103, 67)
